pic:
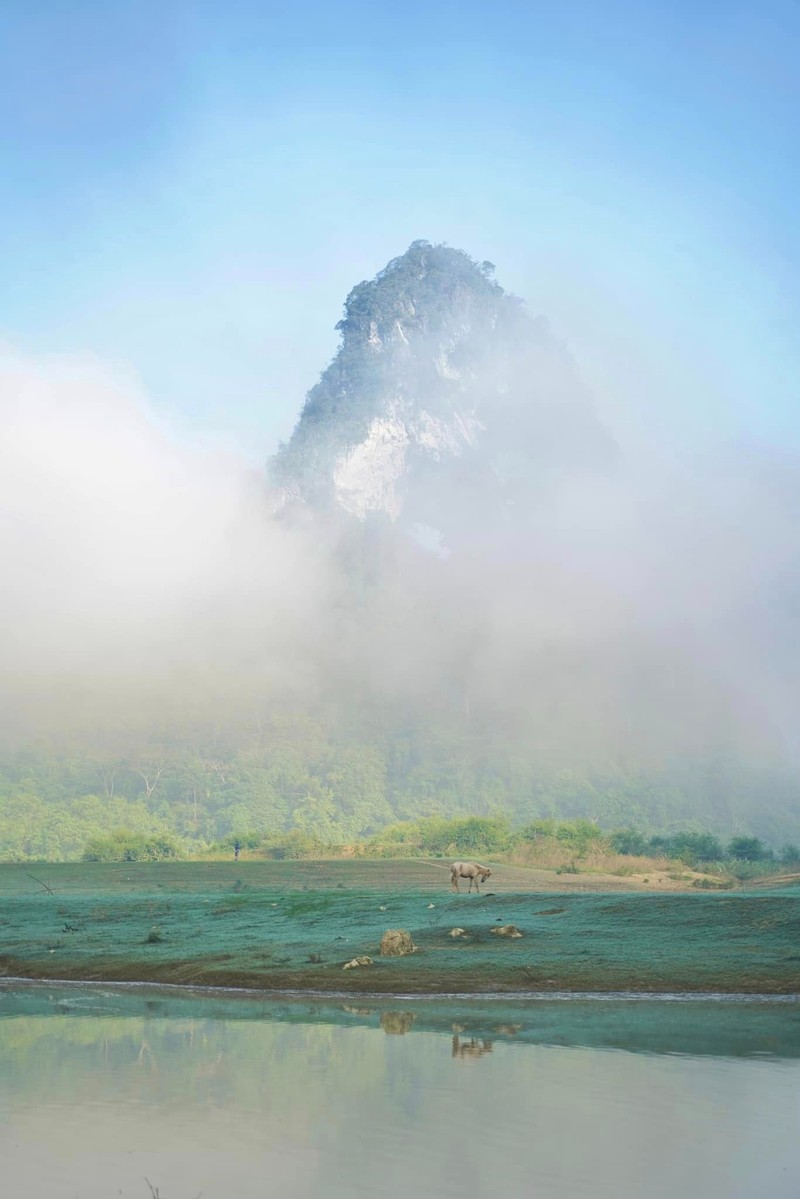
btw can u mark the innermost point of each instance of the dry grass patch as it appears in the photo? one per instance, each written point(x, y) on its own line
point(650, 873)
point(547, 853)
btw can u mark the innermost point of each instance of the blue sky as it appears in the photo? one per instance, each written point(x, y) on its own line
point(188, 192)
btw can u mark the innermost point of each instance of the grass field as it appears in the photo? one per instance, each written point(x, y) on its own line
point(292, 925)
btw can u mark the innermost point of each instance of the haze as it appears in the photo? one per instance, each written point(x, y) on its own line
point(187, 201)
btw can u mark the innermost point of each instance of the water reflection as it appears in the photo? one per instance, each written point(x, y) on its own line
point(397, 1023)
point(725, 1026)
point(102, 1088)
point(469, 1049)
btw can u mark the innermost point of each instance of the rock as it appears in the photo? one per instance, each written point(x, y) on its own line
point(506, 930)
point(396, 943)
point(363, 961)
point(431, 905)
point(458, 932)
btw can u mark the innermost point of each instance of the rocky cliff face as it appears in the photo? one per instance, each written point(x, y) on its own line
point(445, 403)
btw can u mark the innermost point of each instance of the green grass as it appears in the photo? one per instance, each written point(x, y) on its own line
point(288, 925)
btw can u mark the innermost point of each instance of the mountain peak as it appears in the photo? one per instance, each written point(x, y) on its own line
point(441, 380)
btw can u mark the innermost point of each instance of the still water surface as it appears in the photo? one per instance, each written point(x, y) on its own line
point(131, 1092)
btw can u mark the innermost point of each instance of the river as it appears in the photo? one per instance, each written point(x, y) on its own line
point(152, 1093)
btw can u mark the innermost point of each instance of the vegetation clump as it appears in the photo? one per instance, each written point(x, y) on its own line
point(125, 846)
point(542, 844)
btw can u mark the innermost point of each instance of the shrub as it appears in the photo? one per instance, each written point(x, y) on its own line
point(628, 841)
point(471, 834)
point(749, 849)
point(246, 840)
point(437, 836)
point(744, 870)
point(295, 845)
point(125, 846)
point(690, 848)
point(568, 868)
point(578, 835)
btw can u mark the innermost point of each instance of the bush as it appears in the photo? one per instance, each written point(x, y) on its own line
point(568, 868)
point(472, 834)
point(578, 835)
point(246, 840)
point(436, 836)
point(749, 849)
point(690, 848)
point(295, 845)
point(131, 847)
point(225, 846)
point(744, 870)
point(628, 841)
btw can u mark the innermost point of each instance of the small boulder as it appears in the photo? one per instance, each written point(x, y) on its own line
point(396, 943)
point(506, 930)
point(355, 962)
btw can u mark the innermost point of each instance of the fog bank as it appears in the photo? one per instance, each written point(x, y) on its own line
point(649, 610)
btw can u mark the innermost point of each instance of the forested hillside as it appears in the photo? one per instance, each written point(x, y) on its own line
point(268, 774)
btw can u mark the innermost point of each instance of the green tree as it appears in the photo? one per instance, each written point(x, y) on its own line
point(748, 849)
point(629, 841)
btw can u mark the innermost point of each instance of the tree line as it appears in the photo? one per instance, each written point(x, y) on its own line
point(294, 776)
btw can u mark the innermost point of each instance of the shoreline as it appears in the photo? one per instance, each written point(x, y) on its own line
point(469, 1025)
point(201, 990)
point(381, 981)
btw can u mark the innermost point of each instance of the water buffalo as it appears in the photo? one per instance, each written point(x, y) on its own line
point(471, 870)
point(469, 1049)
